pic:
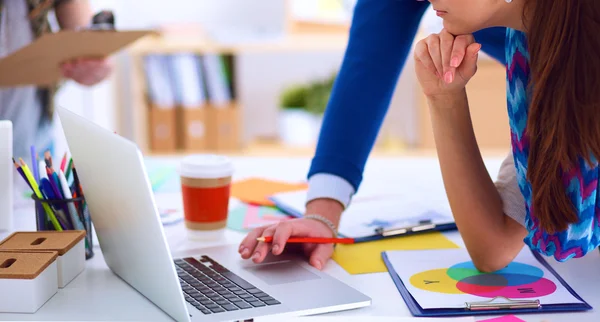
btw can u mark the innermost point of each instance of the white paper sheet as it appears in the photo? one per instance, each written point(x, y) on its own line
point(396, 194)
point(437, 279)
point(389, 206)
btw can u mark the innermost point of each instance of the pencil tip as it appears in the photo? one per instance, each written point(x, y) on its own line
point(260, 239)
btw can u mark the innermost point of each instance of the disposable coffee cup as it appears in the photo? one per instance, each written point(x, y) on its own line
point(205, 188)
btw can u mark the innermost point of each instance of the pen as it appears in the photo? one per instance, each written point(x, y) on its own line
point(315, 240)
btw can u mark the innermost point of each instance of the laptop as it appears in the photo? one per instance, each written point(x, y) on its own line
point(215, 284)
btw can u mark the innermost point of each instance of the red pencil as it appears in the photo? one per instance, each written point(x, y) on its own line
point(315, 240)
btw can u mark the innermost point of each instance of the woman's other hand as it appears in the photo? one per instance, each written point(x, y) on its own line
point(445, 63)
point(318, 254)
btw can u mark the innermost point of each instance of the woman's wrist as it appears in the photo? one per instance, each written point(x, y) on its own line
point(328, 208)
point(447, 100)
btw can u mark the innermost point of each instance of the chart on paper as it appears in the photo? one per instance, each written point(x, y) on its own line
point(448, 279)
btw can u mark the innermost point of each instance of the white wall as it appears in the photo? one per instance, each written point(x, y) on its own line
point(261, 76)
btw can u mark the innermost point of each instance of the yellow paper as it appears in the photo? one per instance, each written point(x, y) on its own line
point(365, 257)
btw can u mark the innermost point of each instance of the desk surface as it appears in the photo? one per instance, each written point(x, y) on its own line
point(98, 294)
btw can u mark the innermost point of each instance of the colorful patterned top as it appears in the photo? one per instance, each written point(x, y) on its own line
point(583, 236)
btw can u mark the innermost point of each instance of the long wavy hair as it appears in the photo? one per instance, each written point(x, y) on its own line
point(564, 114)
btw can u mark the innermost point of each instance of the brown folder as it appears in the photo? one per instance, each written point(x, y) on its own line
point(39, 62)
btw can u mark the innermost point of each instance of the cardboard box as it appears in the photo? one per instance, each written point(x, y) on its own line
point(69, 245)
point(224, 127)
point(163, 129)
point(27, 280)
point(192, 127)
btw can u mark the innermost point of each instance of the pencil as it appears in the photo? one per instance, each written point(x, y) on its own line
point(314, 240)
point(20, 171)
point(38, 193)
point(48, 159)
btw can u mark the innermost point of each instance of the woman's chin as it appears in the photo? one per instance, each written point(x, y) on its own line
point(457, 29)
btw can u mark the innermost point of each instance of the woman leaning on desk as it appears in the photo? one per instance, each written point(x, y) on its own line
point(546, 193)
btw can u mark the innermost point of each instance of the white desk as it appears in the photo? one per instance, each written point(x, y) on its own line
point(98, 294)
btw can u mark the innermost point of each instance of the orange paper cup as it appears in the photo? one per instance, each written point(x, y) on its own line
point(205, 188)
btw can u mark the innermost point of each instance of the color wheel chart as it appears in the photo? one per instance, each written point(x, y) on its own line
point(517, 280)
point(448, 279)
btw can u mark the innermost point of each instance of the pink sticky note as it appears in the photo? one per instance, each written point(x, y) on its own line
point(506, 318)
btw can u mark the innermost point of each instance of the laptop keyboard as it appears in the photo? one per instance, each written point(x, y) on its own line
point(212, 288)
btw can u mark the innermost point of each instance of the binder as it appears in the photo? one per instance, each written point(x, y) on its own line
point(497, 305)
point(190, 98)
point(218, 87)
point(161, 115)
point(223, 127)
point(292, 203)
point(39, 62)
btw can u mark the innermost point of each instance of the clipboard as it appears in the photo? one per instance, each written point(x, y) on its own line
point(39, 62)
point(378, 233)
point(497, 305)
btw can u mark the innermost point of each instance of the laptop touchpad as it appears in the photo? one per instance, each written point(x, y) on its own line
point(282, 273)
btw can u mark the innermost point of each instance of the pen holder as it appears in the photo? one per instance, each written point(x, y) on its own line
point(65, 214)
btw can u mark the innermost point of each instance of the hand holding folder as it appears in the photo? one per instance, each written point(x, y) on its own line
point(39, 63)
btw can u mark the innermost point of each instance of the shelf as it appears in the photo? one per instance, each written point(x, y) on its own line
point(195, 42)
point(293, 42)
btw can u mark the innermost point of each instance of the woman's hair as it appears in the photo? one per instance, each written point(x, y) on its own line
point(564, 114)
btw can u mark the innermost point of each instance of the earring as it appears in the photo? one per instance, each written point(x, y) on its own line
point(508, 1)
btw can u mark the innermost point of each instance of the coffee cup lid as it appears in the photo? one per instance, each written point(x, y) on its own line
point(206, 166)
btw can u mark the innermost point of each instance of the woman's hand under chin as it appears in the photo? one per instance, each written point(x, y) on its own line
point(445, 63)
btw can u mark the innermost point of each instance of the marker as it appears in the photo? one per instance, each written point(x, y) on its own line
point(41, 172)
point(67, 194)
point(314, 240)
point(63, 163)
point(69, 168)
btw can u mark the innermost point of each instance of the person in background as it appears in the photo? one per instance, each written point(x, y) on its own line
point(30, 108)
point(381, 35)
